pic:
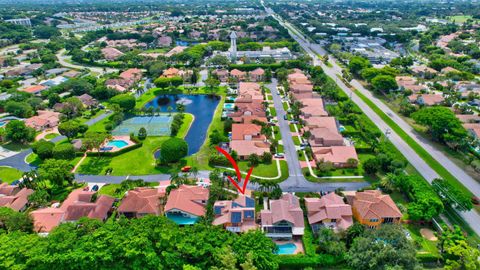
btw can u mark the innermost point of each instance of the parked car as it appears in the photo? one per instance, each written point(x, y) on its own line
point(279, 155)
point(186, 168)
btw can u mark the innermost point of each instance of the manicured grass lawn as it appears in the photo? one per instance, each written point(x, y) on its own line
point(139, 161)
point(460, 19)
point(50, 136)
point(273, 112)
point(15, 146)
point(292, 128)
point(285, 106)
point(33, 159)
point(434, 164)
point(426, 246)
point(296, 140)
point(9, 175)
point(99, 126)
point(280, 148)
point(184, 129)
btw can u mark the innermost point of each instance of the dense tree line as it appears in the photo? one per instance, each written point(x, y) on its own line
point(147, 243)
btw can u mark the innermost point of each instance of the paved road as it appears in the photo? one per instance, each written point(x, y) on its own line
point(64, 61)
point(453, 168)
point(471, 217)
point(294, 168)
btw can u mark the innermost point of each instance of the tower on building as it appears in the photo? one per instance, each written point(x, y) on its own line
point(233, 45)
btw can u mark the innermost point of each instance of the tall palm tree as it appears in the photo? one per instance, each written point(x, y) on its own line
point(194, 171)
point(388, 182)
point(174, 178)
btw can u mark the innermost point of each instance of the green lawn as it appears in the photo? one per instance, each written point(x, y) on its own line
point(139, 161)
point(273, 112)
point(50, 136)
point(15, 146)
point(296, 140)
point(8, 174)
point(434, 164)
point(285, 106)
point(292, 128)
point(460, 19)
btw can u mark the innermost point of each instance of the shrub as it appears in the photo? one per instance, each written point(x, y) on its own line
point(43, 148)
point(267, 157)
point(173, 150)
point(142, 133)
point(64, 151)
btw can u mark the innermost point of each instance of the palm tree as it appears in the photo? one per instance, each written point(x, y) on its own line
point(194, 171)
point(388, 182)
point(170, 109)
point(174, 178)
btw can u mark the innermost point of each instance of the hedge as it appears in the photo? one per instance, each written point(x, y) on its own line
point(428, 258)
point(301, 261)
point(250, 67)
point(114, 154)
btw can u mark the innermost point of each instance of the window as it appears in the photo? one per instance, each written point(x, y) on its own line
point(374, 220)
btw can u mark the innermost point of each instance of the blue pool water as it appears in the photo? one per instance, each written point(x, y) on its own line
point(286, 249)
point(117, 143)
point(229, 106)
point(2, 123)
point(341, 128)
point(201, 106)
point(181, 220)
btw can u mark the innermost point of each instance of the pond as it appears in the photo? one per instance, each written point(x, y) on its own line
point(201, 106)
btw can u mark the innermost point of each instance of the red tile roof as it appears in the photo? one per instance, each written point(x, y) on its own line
point(189, 199)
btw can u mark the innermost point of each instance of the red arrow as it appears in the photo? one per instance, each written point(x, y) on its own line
point(239, 174)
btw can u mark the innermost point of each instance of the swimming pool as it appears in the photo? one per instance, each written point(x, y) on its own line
point(229, 106)
point(117, 143)
point(2, 123)
point(286, 249)
point(181, 220)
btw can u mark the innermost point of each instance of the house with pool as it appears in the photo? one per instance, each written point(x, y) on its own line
point(284, 218)
point(186, 204)
point(116, 143)
point(235, 215)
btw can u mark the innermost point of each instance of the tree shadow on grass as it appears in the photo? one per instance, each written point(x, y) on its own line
point(95, 165)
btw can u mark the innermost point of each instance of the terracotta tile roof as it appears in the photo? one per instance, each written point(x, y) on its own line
point(245, 148)
point(7, 190)
point(237, 73)
point(322, 122)
point(189, 199)
point(78, 204)
point(111, 53)
point(16, 201)
point(335, 154)
point(330, 206)
point(372, 204)
point(254, 108)
point(427, 99)
point(134, 74)
point(142, 201)
point(171, 72)
point(257, 72)
point(301, 87)
point(468, 118)
point(34, 89)
point(287, 208)
point(240, 131)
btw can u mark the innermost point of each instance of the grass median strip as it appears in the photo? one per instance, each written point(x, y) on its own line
point(434, 164)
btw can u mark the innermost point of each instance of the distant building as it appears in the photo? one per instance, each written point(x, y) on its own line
point(24, 21)
point(266, 52)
